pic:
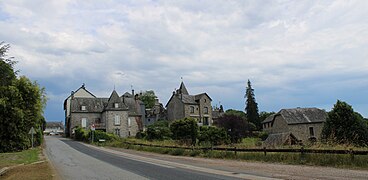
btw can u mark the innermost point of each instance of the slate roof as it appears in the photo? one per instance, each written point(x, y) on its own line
point(183, 89)
point(278, 139)
point(300, 115)
point(98, 105)
point(54, 124)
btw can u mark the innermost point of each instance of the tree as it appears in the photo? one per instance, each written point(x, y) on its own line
point(236, 126)
point(148, 98)
point(185, 130)
point(263, 115)
point(236, 113)
point(345, 126)
point(251, 107)
point(21, 107)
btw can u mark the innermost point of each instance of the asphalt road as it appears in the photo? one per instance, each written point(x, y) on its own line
point(75, 160)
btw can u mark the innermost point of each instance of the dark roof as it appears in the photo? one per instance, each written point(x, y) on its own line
point(54, 124)
point(279, 139)
point(183, 89)
point(199, 96)
point(92, 104)
point(300, 115)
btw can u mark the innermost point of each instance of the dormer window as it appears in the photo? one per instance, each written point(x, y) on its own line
point(116, 105)
point(83, 108)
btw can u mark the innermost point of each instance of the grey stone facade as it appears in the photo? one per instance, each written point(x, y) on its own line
point(119, 115)
point(182, 105)
point(304, 123)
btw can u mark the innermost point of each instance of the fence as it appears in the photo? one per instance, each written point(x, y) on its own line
point(264, 150)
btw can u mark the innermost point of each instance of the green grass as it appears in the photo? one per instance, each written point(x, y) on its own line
point(14, 158)
point(330, 160)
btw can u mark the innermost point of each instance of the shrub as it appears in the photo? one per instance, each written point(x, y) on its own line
point(263, 135)
point(158, 131)
point(185, 130)
point(81, 134)
point(212, 135)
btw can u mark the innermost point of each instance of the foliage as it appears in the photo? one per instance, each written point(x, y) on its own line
point(81, 134)
point(236, 113)
point(21, 107)
point(263, 135)
point(263, 115)
point(251, 107)
point(212, 135)
point(148, 98)
point(185, 130)
point(345, 126)
point(236, 126)
point(158, 131)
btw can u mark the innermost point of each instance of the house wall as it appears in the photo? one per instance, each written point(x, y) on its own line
point(301, 131)
point(205, 102)
point(187, 112)
point(175, 109)
point(76, 120)
point(279, 126)
point(109, 117)
point(134, 128)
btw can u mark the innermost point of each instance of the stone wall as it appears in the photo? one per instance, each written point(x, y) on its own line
point(109, 117)
point(175, 109)
point(76, 120)
point(205, 102)
point(301, 131)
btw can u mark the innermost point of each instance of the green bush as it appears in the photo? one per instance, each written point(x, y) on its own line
point(158, 131)
point(185, 130)
point(263, 135)
point(212, 135)
point(81, 134)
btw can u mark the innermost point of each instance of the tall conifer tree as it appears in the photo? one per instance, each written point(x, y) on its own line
point(251, 107)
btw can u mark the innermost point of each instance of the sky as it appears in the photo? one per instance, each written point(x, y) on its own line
point(305, 53)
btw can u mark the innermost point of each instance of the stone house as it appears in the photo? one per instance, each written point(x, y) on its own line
point(119, 115)
point(302, 123)
point(54, 127)
point(182, 105)
point(157, 112)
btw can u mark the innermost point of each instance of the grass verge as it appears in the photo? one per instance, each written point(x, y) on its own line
point(329, 160)
point(35, 165)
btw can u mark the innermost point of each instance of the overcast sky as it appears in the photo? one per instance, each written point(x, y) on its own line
point(296, 53)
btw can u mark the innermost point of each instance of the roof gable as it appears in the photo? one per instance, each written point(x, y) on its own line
point(182, 89)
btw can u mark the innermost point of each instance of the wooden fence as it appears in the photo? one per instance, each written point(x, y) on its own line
point(264, 150)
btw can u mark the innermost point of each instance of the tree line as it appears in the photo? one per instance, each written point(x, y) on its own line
point(21, 106)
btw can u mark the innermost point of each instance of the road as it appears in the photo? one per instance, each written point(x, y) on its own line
point(76, 160)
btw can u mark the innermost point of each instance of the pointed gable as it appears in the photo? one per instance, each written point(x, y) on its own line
point(182, 89)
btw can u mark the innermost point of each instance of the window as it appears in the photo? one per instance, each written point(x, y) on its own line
point(311, 131)
point(84, 122)
point(116, 105)
point(205, 110)
point(191, 109)
point(205, 100)
point(117, 120)
point(205, 121)
point(83, 108)
point(129, 122)
point(117, 132)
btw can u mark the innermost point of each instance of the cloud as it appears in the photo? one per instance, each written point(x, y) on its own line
point(290, 50)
